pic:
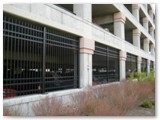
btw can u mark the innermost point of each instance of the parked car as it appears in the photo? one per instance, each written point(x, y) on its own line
point(8, 92)
point(53, 80)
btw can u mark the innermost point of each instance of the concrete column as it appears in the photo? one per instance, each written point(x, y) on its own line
point(84, 11)
point(135, 11)
point(151, 31)
point(123, 57)
point(154, 21)
point(152, 49)
point(151, 14)
point(139, 61)
point(145, 6)
point(146, 45)
point(136, 38)
point(148, 67)
point(119, 27)
point(145, 23)
point(154, 67)
point(87, 47)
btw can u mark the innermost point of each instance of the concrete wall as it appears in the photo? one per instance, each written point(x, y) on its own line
point(24, 103)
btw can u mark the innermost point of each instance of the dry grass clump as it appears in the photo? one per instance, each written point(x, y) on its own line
point(84, 102)
point(115, 99)
point(103, 100)
point(48, 107)
point(8, 111)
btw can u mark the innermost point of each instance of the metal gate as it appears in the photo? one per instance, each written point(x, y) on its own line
point(151, 65)
point(37, 59)
point(131, 64)
point(105, 64)
point(144, 65)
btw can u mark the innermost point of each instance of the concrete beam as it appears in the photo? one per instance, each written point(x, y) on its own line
point(84, 11)
point(107, 19)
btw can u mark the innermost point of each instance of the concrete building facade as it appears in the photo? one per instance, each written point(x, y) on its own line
point(109, 40)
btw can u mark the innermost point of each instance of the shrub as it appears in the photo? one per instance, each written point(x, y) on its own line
point(104, 109)
point(104, 100)
point(147, 104)
point(142, 76)
point(115, 99)
point(138, 74)
point(122, 97)
point(84, 102)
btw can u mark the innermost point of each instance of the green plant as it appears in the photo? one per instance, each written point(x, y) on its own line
point(147, 104)
point(141, 76)
point(138, 74)
point(132, 75)
point(151, 75)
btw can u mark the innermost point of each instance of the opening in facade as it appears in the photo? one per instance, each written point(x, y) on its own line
point(131, 64)
point(151, 65)
point(37, 59)
point(144, 65)
point(105, 64)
